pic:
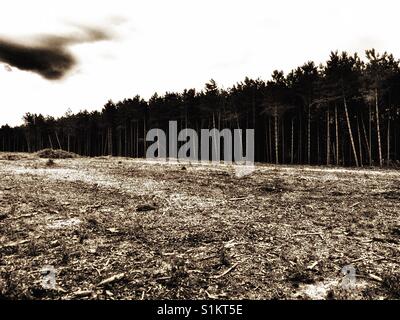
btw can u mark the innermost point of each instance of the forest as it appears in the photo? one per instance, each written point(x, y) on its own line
point(345, 112)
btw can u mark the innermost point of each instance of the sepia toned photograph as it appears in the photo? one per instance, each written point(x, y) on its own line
point(177, 151)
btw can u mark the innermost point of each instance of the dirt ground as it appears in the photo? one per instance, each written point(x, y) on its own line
point(116, 228)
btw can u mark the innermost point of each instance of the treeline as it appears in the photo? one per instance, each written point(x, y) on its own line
point(344, 112)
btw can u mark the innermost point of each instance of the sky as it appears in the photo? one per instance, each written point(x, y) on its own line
point(167, 46)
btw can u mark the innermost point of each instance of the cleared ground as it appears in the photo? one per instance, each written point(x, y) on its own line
point(116, 228)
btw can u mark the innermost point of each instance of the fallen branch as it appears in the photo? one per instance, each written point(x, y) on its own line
point(355, 204)
point(225, 272)
point(59, 289)
point(309, 234)
point(313, 265)
point(211, 296)
point(376, 278)
point(359, 259)
point(194, 271)
point(117, 277)
point(14, 244)
point(28, 215)
point(163, 278)
point(231, 244)
point(209, 257)
point(370, 276)
point(82, 293)
point(241, 198)
point(378, 258)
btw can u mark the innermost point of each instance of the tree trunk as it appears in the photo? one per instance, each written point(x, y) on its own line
point(266, 143)
point(27, 143)
point(110, 144)
point(270, 140)
point(309, 135)
point(370, 134)
point(137, 138)
point(366, 141)
point(214, 137)
point(350, 132)
point(68, 147)
point(283, 141)
point(300, 141)
point(120, 142)
point(51, 143)
point(395, 142)
point(126, 141)
point(58, 141)
point(377, 128)
point(388, 142)
point(292, 143)
point(337, 135)
point(328, 139)
point(318, 146)
point(359, 142)
point(276, 135)
point(343, 153)
point(132, 145)
point(144, 138)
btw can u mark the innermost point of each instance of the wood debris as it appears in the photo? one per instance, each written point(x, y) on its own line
point(112, 279)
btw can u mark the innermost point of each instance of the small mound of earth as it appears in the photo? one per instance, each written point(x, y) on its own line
point(11, 157)
point(55, 154)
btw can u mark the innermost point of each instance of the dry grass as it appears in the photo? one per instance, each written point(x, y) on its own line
point(115, 228)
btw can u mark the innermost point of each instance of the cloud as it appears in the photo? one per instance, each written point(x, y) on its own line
point(48, 55)
point(51, 63)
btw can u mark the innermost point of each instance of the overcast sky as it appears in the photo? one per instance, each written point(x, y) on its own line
point(160, 46)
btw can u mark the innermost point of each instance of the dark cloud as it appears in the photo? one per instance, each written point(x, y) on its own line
point(50, 62)
point(48, 55)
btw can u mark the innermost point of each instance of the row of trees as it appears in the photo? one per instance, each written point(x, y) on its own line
point(345, 112)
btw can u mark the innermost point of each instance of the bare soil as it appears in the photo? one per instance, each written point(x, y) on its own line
point(116, 228)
